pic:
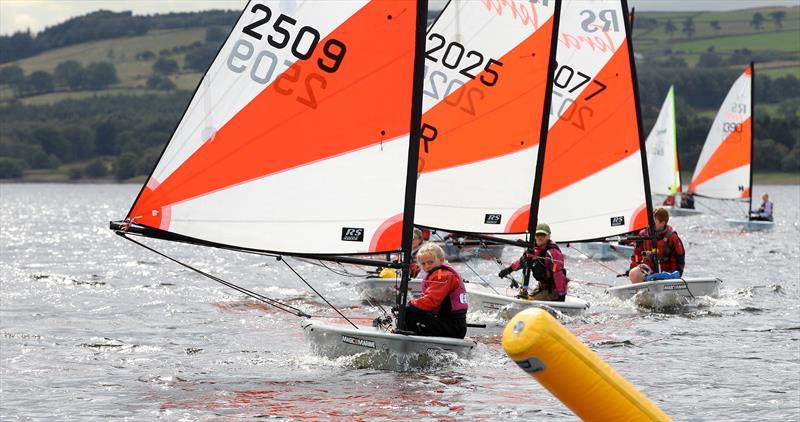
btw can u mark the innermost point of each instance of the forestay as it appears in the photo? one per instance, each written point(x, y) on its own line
point(303, 100)
point(593, 182)
point(662, 150)
point(483, 101)
point(723, 169)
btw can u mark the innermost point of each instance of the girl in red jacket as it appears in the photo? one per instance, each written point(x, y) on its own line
point(442, 309)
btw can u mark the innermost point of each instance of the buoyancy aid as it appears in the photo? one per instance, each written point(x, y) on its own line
point(541, 271)
point(456, 303)
point(663, 249)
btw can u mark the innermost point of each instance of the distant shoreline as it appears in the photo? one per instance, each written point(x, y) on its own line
point(777, 178)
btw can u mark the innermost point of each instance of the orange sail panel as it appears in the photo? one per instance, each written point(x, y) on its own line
point(723, 168)
point(592, 182)
point(312, 98)
point(483, 100)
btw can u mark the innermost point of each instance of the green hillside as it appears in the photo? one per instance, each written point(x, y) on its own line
point(82, 130)
point(125, 54)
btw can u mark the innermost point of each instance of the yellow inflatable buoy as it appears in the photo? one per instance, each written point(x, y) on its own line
point(572, 372)
point(388, 273)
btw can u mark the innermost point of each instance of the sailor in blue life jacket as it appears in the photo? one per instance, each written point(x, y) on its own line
point(764, 212)
point(442, 309)
point(546, 263)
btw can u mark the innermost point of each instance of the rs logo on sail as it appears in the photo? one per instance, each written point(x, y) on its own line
point(351, 234)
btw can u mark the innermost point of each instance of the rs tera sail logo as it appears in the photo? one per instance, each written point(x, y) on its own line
point(352, 234)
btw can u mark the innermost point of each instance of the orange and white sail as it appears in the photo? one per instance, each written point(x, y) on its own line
point(483, 101)
point(297, 139)
point(662, 150)
point(723, 169)
point(593, 182)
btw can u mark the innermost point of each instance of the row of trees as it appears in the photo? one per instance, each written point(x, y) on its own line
point(689, 28)
point(101, 25)
point(69, 74)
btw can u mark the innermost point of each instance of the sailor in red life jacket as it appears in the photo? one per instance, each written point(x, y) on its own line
point(442, 309)
point(546, 263)
point(668, 250)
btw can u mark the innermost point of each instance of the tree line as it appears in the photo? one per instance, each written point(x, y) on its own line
point(102, 25)
point(123, 135)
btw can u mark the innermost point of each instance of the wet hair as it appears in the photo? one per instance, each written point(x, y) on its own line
point(661, 214)
point(432, 249)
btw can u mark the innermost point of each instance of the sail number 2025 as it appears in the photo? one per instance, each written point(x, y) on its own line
point(306, 38)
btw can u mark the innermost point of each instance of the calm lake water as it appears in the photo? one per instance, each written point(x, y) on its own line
point(94, 327)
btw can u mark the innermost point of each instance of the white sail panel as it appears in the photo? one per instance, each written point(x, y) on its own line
point(244, 67)
point(728, 147)
point(584, 212)
point(486, 67)
point(306, 99)
point(316, 211)
point(593, 183)
point(662, 150)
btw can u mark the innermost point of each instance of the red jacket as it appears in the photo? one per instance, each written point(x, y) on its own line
point(440, 283)
point(670, 253)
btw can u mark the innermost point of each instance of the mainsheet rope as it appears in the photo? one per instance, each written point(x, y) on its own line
point(264, 299)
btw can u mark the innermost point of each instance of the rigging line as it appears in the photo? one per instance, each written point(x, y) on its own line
point(344, 272)
point(593, 260)
point(485, 283)
point(280, 258)
point(269, 301)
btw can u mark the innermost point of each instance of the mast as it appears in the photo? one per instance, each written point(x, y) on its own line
point(752, 137)
point(674, 129)
point(645, 172)
point(533, 217)
point(413, 159)
point(537, 185)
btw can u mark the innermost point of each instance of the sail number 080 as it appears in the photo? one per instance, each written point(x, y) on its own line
point(305, 42)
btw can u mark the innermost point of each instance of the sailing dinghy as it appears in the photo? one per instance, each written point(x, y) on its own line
point(302, 100)
point(662, 157)
point(482, 130)
point(724, 169)
point(483, 134)
point(595, 151)
point(660, 294)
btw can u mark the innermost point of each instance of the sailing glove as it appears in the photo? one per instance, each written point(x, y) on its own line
point(504, 272)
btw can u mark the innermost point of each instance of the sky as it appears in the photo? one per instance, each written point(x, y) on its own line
point(19, 15)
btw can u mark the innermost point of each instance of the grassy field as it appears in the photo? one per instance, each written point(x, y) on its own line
point(788, 41)
point(735, 33)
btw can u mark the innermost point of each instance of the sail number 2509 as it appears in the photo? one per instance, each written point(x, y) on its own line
point(305, 40)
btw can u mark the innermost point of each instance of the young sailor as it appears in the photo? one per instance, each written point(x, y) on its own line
point(442, 309)
point(546, 263)
point(764, 212)
point(416, 242)
point(687, 200)
point(668, 249)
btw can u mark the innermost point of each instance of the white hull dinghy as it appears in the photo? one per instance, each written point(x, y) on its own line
point(456, 252)
point(507, 304)
point(682, 212)
point(750, 225)
point(605, 251)
point(667, 293)
point(384, 290)
point(334, 341)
